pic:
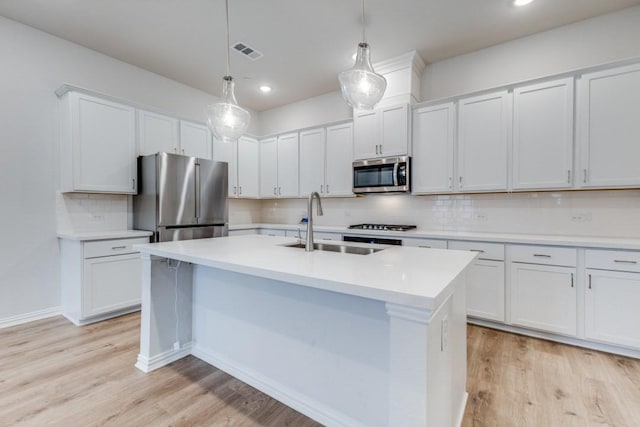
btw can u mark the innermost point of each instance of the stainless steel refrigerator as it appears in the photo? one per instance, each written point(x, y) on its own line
point(181, 198)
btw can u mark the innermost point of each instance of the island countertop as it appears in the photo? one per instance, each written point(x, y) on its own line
point(417, 277)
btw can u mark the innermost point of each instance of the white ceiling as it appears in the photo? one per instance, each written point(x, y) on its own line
point(306, 43)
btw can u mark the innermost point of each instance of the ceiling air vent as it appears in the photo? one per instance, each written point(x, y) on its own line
point(247, 51)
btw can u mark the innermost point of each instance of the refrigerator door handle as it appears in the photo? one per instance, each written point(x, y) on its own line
point(197, 187)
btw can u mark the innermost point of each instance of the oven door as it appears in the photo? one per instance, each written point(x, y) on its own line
point(381, 175)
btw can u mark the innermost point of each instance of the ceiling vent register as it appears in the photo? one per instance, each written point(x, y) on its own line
point(247, 51)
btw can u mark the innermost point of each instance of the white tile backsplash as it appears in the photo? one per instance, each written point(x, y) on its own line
point(91, 212)
point(584, 213)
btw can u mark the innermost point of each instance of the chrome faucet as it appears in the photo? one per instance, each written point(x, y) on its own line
point(309, 245)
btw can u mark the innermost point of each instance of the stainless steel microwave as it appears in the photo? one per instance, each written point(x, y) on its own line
point(384, 175)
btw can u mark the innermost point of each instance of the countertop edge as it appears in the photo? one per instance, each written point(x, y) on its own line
point(104, 235)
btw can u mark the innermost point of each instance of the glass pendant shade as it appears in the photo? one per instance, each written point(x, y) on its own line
point(226, 119)
point(361, 87)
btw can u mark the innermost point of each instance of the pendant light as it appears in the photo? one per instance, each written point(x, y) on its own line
point(361, 87)
point(226, 119)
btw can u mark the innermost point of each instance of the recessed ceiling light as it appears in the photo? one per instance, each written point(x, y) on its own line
point(265, 89)
point(521, 2)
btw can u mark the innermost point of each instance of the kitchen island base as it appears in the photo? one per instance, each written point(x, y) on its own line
point(339, 359)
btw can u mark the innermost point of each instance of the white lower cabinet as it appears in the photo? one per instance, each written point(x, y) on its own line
point(612, 297)
point(485, 280)
point(99, 279)
point(543, 297)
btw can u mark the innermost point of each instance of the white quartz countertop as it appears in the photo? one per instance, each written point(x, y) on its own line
point(104, 235)
point(411, 276)
point(530, 239)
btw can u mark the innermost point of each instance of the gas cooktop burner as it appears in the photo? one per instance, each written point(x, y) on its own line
point(383, 227)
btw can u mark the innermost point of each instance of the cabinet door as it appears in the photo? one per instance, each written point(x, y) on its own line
point(543, 135)
point(366, 134)
point(433, 143)
point(339, 165)
point(157, 133)
point(485, 290)
point(269, 168)
point(394, 131)
point(226, 151)
point(104, 145)
point(195, 140)
point(611, 307)
point(609, 127)
point(312, 161)
point(288, 183)
point(110, 283)
point(482, 142)
point(248, 167)
point(544, 297)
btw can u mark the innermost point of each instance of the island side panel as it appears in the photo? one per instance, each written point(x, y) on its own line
point(323, 353)
point(166, 316)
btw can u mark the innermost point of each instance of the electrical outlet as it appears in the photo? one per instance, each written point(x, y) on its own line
point(176, 345)
point(444, 333)
point(581, 217)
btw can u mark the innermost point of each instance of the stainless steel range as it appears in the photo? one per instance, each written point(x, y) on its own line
point(382, 227)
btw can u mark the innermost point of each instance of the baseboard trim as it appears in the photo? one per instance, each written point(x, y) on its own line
point(577, 342)
point(146, 364)
point(461, 409)
point(30, 317)
point(309, 407)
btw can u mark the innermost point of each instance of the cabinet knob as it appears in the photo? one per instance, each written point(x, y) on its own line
point(572, 280)
point(589, 281)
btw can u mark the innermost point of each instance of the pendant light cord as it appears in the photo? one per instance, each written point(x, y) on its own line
point(364, 40)
point(226, 9)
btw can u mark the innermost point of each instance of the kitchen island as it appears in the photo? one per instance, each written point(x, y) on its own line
point(346, 339)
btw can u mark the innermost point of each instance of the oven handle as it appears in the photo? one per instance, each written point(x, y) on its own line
point(395, 174)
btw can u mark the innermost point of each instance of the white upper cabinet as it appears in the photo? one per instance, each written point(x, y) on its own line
point(226, 151)
point(339, 152)
point(312, 161)
point(243, 159)
point(366, 134)
point(433, 149)
point(483, 139)
point(98, 145)
point(248, 167)
point(609, 126)
point(269, 168)
point(157, 133)
point(195, 140)
point(382, 132)
point(543, 135)
point(288, 183)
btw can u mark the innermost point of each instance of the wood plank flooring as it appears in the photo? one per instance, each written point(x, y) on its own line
point(53, 373)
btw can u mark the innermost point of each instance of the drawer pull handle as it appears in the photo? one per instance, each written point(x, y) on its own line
point(428, 247)
point(542, 255)
point(477, 250)
point(572, 280)
point(589, 281)
point(623, 261)
point(118, 247)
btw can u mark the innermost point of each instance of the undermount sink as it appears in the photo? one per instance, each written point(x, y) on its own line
point(337, 248)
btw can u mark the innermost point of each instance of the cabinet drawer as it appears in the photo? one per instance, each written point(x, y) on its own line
point(603, 259)
point(493, 251)
point(547, 255)
point(111, 247)
point(425, 243)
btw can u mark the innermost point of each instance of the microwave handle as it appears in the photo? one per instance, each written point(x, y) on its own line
point(395, 174)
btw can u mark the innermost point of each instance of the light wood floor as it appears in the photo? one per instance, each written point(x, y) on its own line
point(53, 373)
